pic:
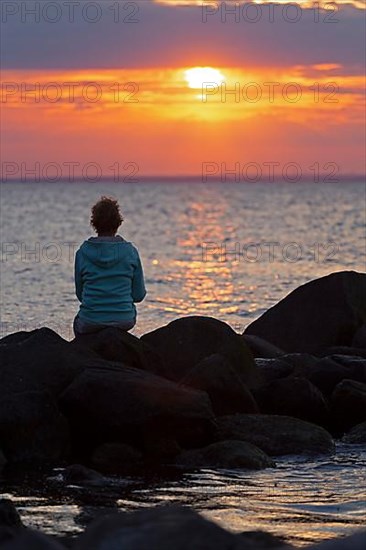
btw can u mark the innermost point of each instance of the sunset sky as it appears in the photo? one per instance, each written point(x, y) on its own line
point(125, 91)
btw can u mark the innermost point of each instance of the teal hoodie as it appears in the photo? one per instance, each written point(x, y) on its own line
point(108, 280)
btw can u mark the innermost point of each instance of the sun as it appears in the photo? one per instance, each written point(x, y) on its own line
point(196, 76)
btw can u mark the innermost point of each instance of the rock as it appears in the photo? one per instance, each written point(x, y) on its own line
point(27, 540)
point(301, 363)
point(9, 515)
point(126, 405)
point(185, 342)
point(359, 339)
point(293, 396)
point(348, 404)
point(356, 366)
point(160, 450)
point(324, 312)
point(113, 344)
point(276, 435)
point(226, 454)
point(38, 360)
point(3, 461)
point(324, 373)
point(273, 369)
point(77, 474)
point(260, 540)
point(227, 392)
point(32, 428)
point(116, 458)
point(261, 348)
point(342, 350)
point(356, 435)
point(160, 528)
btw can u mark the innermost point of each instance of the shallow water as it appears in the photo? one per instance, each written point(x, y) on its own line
point(303, 499)
point(205, 250)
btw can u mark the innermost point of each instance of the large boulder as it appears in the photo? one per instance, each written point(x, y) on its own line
point(227, 392)
point(324, 312)
point(38, 360)
point(114, 344)
point(32, 428)
point(161, 528)
point(116, 403)
point(226, 454)
point(293, 396)
point(348, 404)
point(185, 342)
point(276, 435)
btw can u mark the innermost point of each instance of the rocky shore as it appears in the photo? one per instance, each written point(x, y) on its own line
point(192, 394)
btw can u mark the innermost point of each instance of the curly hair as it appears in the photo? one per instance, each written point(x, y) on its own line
point(106, 216)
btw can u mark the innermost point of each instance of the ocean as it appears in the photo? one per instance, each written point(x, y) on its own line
point(225, 250)
point(222, 249)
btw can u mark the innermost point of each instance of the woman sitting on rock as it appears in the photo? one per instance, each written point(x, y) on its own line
point(109, 277)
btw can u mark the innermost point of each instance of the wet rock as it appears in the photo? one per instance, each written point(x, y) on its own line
point(187, 341)
point(357, 435)
point(324, 312)
point(276, 435)
point(160, 528)
point(261, 348)
point(32, 428)
point(293, 396)
point(227, 392)
point(116, 458)
point(126, 405)
point(77, 474)
point(348, 404)
point(113, 344)
point(226, 454)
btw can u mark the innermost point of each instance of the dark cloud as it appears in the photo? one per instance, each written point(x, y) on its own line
point(166, 36)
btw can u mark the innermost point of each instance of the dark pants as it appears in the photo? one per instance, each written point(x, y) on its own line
point(83, 327)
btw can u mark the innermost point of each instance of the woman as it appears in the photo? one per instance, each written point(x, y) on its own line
point(109, 278)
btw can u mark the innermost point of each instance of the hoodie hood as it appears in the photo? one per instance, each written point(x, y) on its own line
point(104, 251)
